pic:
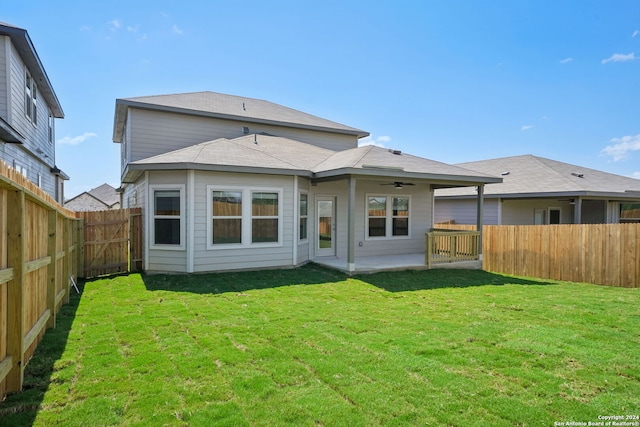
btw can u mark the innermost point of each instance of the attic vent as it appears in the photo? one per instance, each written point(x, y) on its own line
point(579, 175)
point(505, 173)
point(396, 152)
point(245, 130)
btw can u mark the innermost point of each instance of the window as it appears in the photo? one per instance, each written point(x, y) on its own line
point(388, 216)
point(400, 218)
point(30, 98)
point(630, 212)
point(264, 217)
point(240, 217)
point(554, 215)
point(227, 217)
point(303, 212)
point(51, 133)
point(20, 168)
point(167, 217)
point(377, 210)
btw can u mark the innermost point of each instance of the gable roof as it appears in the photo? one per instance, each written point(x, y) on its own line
point(532, 176)
point(23, 44)
point(260, 153)
point(219, 105)
point(105, 194)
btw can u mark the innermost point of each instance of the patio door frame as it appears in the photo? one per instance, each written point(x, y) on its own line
point(331, 251)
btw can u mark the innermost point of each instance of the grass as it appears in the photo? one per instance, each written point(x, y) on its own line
point(312, 347)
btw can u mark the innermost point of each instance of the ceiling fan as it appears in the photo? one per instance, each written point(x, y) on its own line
point(398, 184)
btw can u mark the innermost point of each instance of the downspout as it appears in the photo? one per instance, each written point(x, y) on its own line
point(480, 219)
point(351, 222)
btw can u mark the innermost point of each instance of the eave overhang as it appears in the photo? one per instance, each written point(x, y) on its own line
point(605, 195)
point(10, 134)
point(23, 44)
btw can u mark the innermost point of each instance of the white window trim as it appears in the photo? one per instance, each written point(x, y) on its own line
point(183, 216)
point(306, 239)
point(30, 96)
point(389, 217)
point(247, 217)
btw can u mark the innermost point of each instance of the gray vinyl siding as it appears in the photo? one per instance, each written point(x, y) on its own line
point(38, 153)
point(165, 260)
point(420, 218)
point(4, 79)
point(156, 132)
point(521, 212)
point(464, 211)
point(13, 154)
point(249, 257)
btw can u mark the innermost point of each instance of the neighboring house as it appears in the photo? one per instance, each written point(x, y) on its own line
point(100, 198)
point(536, 190)
point(28, 109)
point(229, 183)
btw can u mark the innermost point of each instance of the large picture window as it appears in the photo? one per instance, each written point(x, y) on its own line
point(630, 212)
point(167, 217)
point(387, 216)
point(244, 216)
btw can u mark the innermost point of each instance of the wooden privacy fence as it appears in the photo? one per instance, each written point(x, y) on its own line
point(604, 254)
point(112, 241)
point(38, 254)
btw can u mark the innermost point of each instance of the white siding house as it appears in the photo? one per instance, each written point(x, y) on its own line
point(28, 109)
point(232, 183)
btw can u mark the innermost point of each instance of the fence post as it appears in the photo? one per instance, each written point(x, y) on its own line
point(80, 247)
point(51, 268)
point(15, 288)
point(67, 260)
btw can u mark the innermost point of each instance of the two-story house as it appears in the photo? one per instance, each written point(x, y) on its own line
point(28, 109)
point(229, 183)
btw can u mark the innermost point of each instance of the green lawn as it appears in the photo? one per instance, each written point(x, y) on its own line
point(313, 347)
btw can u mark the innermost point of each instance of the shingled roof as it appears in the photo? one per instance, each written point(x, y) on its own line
point(219, 105)
point(532, 176)
point(260, 153)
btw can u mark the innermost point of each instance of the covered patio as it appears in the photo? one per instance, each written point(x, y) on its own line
point(374, 264)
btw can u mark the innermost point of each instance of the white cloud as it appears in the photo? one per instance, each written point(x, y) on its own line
point(620, 57)
point(527, 127)
point(132, 29)
point(175, 29)
point(622, 146)
point(566, 60)
point(115, 24)
point(377, 141)
point(635, 33)
point(635, 175)
point(85, 28)
point(75, 140)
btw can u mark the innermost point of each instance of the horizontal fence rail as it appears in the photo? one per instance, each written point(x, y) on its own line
point(38, 255)
point(603, 254)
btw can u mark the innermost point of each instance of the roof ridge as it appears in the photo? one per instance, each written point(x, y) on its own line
point(236, 142)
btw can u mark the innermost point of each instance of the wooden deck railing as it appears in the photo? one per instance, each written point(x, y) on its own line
point(445, 246)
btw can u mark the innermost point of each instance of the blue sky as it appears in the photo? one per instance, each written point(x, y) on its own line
point(452, 80)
